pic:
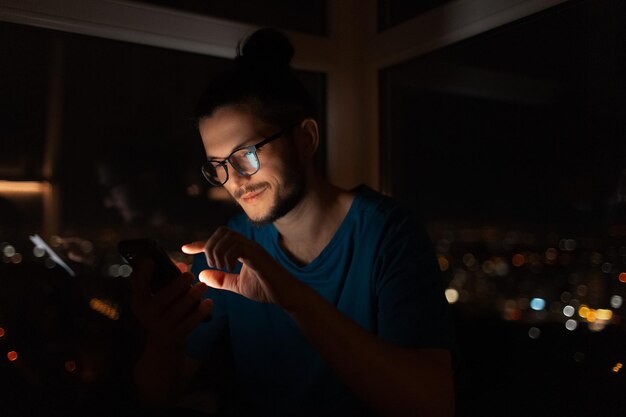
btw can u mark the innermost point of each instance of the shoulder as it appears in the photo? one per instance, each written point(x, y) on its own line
point(377, 208)
point(391, 224)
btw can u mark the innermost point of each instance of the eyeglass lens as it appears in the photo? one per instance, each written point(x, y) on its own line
point(245, 161)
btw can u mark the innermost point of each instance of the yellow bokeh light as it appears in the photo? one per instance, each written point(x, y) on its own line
point(604, 314)
point(591, 316)
point(583, 311)
point(452, 295)
point(443, 263)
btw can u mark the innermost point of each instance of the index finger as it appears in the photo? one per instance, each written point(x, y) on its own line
point(194, 247)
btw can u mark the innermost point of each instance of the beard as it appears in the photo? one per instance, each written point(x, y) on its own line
point(288, 195)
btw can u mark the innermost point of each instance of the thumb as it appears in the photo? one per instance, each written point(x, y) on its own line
point(194, 247)
point(220, 280)
point(247, 262)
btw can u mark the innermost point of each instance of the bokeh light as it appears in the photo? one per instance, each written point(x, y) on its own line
point(39, 252)
point(534, 333)
point(443, 263)
point(571, 324)
point(603, 314)
point(537, 304)
point(17, 258)
point(551, 254)
point(569, 311)
point(125, 270)
point(518, 260)
point(70, 366)
point(616, 301)
point(452, 295)
point(8, 251)
point(12, 356)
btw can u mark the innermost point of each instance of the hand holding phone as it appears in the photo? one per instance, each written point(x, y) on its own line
point(164, 271)
point(139, 250)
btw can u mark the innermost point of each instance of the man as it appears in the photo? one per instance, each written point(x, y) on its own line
point(328, 298)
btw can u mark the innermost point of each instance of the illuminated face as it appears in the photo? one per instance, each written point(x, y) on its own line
point(278, 185)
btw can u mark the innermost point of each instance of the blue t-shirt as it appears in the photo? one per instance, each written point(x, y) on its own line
point(379, 269)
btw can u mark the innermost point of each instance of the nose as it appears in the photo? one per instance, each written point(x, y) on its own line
point(236, 181)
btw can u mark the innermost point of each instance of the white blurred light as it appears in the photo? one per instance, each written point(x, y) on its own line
point(114, 270)
point(534, 333)
point(38, 252)
point(569, 311)
point(9, 251)
point(125, 271)
point(616, 301)
point(452, 295)
point(571, 324)
point(537, 304)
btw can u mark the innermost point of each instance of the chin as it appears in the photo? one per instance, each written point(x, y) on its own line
point(259, 217)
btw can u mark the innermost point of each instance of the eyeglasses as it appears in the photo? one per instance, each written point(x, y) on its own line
point(244, 160)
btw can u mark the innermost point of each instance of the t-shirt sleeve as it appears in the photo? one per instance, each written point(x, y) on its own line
point(412, 309)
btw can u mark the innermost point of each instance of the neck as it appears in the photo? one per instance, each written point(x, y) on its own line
point(307, 229)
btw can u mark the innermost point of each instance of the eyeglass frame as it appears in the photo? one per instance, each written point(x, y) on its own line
point(253, 148)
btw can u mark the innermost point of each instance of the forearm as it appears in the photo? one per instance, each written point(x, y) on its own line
point(392, 380)
point(159, 376)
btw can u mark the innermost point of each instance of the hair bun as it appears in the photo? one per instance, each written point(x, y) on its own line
point(266, 47)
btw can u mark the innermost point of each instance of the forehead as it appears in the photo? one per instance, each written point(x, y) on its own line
point(229, 127)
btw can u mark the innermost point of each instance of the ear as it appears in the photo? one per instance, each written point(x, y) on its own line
point(308, 138)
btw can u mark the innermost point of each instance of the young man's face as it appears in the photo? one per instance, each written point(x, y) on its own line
point(278, 185)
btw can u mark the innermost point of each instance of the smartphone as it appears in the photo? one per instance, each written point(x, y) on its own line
point(136, 250)
point(165, 271)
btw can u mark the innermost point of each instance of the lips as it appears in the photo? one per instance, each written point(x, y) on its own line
point(248, 197)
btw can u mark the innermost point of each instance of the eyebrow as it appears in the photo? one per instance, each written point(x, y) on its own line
point(236, 147)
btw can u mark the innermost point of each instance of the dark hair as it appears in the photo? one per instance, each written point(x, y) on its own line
point(262, 79)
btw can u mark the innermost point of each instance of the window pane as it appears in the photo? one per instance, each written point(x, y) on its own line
point(510, 145)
